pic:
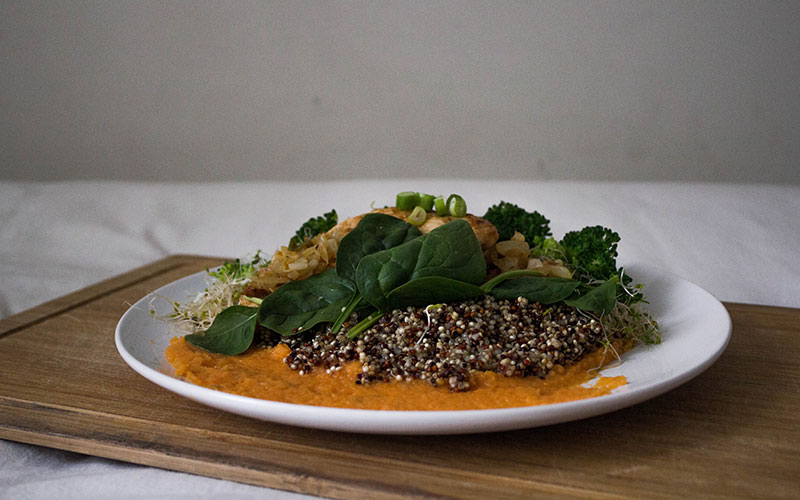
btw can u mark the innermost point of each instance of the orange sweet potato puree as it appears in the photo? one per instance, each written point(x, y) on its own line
point(261, 373)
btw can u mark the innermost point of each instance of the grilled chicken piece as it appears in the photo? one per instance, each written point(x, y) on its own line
point(484, 230)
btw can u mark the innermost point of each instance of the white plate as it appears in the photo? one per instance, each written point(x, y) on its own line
point(695, 330)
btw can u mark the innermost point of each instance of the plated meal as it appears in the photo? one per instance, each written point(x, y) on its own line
point(416, 306)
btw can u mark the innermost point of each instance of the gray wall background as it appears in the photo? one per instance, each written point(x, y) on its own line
point(185, 90)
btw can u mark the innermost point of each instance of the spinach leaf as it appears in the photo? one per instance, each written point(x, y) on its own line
point(374, 232)
point(380, 273)
point(452, 251)
point(536, 289)
point(430, 290)
point(600, 299)
point(231, 332)
point(299, 305)
point(487, 287)
point(449, 251)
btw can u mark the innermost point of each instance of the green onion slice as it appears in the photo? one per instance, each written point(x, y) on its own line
point(456, 206)
point(407, 200)
point(426, 201)
point(440, 206)
point(417, 216)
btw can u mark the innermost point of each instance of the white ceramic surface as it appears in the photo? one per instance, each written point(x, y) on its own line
point(695, 330)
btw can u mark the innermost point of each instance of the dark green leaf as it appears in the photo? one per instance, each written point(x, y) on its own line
point(374, 232)
point(535, 289)
point(449, 251)
point(380, 273)
point(299, 305)
point(231, 332)
point(430, 290)
point(516, 273)
point(600, 299)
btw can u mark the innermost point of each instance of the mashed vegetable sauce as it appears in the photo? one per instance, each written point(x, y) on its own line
point(261, 373)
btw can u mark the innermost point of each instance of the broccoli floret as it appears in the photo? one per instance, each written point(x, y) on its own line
point(313, 227)
point(508, 218)
point(592, 252)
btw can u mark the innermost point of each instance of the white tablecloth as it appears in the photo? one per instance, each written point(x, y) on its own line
point(740, 242)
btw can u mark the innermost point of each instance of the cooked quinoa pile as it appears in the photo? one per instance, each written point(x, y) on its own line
point(443, 344)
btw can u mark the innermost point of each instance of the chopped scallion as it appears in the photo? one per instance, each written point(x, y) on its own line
point(426, 201)
point(407, 200)
point(417, 216)
point(440, 206)
point(456, 206)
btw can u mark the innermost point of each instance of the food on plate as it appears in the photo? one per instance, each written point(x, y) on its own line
point(417, 306)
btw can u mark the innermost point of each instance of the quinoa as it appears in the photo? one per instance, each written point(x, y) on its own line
point(444, 343)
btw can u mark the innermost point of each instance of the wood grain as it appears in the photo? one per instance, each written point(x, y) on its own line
point(732, 432)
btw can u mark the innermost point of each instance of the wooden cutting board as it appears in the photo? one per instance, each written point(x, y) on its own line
point(733, 431)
